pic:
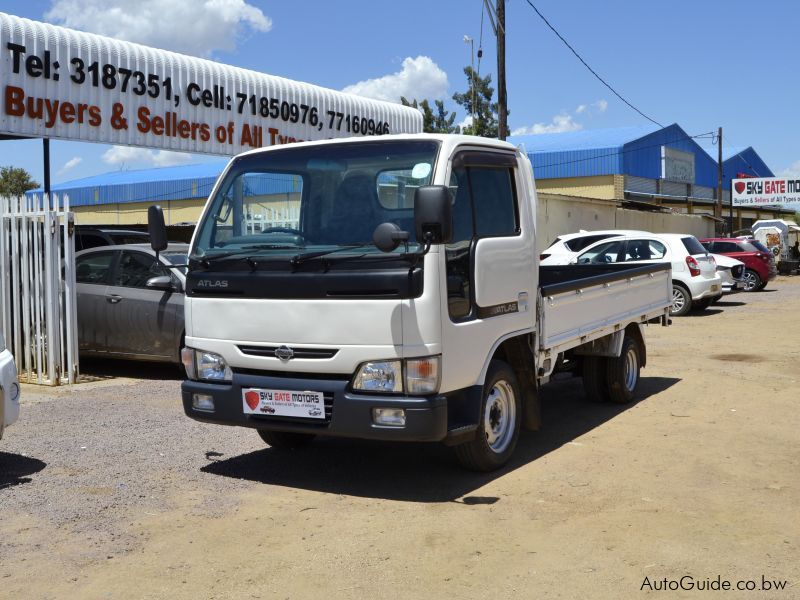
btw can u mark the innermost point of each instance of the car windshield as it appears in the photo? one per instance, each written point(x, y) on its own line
point(176, 258)
point(692, 246)
point(315, 199)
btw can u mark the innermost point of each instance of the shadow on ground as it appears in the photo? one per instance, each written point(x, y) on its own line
point(103, 368)
point(703, 313)
point(423, 472)
point(16, 469)
point(729, 303)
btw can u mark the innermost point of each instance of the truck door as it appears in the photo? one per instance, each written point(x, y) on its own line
point(489, 263)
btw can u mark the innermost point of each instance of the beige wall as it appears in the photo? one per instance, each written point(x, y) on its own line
point(135, 213)
point(558, 215)
point(604, 187)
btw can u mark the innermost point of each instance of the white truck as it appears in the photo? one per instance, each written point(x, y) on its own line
point(406, 302)
point(9, 388)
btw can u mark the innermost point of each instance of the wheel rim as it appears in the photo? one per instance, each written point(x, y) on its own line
point(499, 416)
point(750, 281)
point(678, 299)
point(631, 369)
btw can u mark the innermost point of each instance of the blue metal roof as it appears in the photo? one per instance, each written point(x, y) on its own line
point(745, 161)
point(585, 139)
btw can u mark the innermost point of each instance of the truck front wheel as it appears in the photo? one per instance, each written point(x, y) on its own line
point(285, 440)
point(623, 372)
point(500, 418)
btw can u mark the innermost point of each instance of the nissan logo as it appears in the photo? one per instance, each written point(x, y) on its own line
point(284, 353)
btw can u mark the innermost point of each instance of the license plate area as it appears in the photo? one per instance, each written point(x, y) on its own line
point(293, 404)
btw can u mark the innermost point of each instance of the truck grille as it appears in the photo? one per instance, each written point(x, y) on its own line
point(307, 353)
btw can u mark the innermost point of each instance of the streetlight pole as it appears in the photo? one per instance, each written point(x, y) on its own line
point(471, 42)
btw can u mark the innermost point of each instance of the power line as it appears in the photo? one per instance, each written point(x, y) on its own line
point(591, 70)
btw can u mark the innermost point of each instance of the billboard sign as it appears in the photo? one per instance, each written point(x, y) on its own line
point(766, 191)
point(677, 165)
point(60, 83)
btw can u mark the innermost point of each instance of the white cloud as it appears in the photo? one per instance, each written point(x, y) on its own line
point(420, 78)
point(793, 170)
point(70, 164)
point(196, 27)
point(125, 156)
point(595, 107)
point(559, 124)
point(466, 122)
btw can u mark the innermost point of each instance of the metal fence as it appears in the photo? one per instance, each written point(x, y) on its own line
point(37, 303)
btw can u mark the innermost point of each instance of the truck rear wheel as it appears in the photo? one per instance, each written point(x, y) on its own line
point(500, 418)
point(622, 373)
point(595, 382)
point(286, 440)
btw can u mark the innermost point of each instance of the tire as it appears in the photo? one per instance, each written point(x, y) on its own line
point(681, 301)
point(500, 419)
point(623, 372)
point(285, 440)
point(595, 383)
point(752, 281)
point(762, 286)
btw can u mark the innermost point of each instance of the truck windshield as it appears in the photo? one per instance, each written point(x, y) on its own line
point(317, 198)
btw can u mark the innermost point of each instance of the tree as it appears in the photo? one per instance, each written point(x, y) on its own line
point(441, 122)
point(484, 112)
point(15, 182)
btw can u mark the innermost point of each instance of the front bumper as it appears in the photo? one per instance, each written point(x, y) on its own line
point(347, 414)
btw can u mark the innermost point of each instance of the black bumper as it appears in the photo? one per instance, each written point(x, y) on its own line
point(346, 414)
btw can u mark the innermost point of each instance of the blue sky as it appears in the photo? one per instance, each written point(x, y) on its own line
point(701, 64)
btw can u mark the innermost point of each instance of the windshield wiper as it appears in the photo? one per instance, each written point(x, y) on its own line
point(243, 252)
point(299, 259)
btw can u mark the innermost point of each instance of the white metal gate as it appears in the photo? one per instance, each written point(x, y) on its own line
point(37, 303)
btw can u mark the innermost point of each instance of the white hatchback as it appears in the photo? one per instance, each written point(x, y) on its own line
point(695, 282)
point(566, 247)
point(9, 388)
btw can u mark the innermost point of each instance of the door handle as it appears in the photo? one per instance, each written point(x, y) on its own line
point(114, 298)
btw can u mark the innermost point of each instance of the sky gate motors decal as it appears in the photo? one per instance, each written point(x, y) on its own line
point(60, 83)
point(283, 403)
point(764, 191)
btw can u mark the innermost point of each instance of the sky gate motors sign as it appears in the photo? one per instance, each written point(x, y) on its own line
point(764, 191)
point(60, 83)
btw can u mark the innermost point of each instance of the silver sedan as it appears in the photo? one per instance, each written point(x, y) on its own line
point(129, 304)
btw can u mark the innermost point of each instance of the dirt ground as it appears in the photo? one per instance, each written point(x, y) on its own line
point(108, 491)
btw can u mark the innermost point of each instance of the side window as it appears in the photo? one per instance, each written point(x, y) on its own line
point(584, 242)
point(601, 254)
point(135, 268)
point(457, 252)
point(93, 268)
point(644, 250)
point(496, 211)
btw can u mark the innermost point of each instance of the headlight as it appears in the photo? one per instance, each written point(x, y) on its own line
point(380, 376)
point(410, 376)
point(211, 367)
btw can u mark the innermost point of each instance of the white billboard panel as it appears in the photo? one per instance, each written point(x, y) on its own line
point(764, 191)
point(60, 83)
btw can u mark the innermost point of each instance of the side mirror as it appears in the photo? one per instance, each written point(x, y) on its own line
point(162, 282)
point(433, 214)
point(387, 237)
point(156, 228)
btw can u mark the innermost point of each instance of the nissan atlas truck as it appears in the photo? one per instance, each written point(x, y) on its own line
point(389, 288)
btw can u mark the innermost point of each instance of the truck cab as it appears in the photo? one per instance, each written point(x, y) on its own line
point(396, 296)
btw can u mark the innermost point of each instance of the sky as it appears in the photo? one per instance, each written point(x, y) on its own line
point(703, 65)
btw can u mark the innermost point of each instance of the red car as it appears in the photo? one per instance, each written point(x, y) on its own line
point(758, 260)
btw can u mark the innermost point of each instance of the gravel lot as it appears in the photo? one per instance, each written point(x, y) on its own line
point(108, 491)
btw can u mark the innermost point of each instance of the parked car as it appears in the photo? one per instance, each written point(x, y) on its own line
point(9, 388)
point(731, 272)
point(92, 237)
point(567, 246)
point(759, 263)
point(130, 305)
point(695, 282)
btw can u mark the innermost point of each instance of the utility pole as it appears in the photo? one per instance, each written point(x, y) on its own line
point(718, 210)
point(502, 110)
